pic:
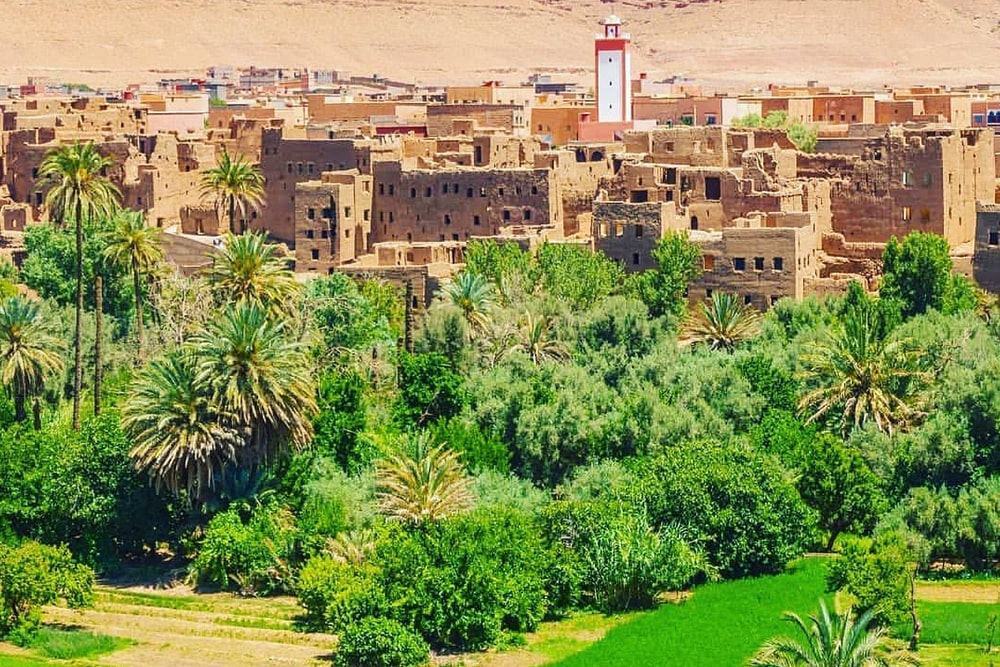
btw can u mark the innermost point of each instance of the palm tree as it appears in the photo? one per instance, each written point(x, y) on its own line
point(831, 639)
point(29, 350)
point(134, 247)
point(234, 184)
point(250, 271)
point(426, 486)
point(79, 193)
point(353, 548)
point(260, 380)
point(871, 375)
point(535, 339)
point(182, 440)
point(474, 297)
point(723, 322)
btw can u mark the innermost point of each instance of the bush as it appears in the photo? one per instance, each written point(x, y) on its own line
point(247, 557)
point(428, 389)
point(463, 581)
point(336, 595)
point(381, 642)
point(32, 575)
point(877, 573)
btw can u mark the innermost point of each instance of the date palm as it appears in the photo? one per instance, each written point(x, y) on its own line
point(869, 375)
point(259, 378)
point(78, 192)
point(251, 271)
point(831, 640)
point(723, 323)
point(428, 485)
point(474, 296)
point(535, 339)
point(235, 184)
point(29, 350)
point(134, 247)
point(182, 440)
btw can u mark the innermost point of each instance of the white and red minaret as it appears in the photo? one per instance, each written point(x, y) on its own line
point(614, 82)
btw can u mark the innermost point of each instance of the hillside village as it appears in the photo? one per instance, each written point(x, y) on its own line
point(378, 177)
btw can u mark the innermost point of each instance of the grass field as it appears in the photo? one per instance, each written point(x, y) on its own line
point(721, 625)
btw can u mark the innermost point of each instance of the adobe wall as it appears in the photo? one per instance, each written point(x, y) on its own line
point(333, 218)
point(455, 204)
point(628, 233)
point(287, 162)
point(986, 259)
point(441, 118)
point(691, 146)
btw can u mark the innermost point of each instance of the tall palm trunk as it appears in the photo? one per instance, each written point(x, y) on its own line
point(20, 412)
point(78, 334)
point(232, 215)
point(98, 361)
point(138, 303)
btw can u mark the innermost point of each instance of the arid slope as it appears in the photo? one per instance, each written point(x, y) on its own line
point(738, 42)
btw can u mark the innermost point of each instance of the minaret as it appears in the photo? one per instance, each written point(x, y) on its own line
point(614, 64)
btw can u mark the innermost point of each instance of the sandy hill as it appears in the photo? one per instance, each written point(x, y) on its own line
point(737, 42)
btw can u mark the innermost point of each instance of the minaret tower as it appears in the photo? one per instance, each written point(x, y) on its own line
point(614, 64)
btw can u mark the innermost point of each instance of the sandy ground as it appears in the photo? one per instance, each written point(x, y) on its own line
point(735, 43)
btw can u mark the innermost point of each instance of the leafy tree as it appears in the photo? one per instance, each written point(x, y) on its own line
point(337, 593)
point(470, 293)
point(340, 419)
point(134, 247)
point(876, 571)
point(803, 137)
point(79, 193)
point(678, 263)
point(918, 272)
point(28, 351)
point(428, 389)
point(723, 323)
point(236, 185)
point(250, 271)
point(352, 317)
point(33, 575)
point(835, 481)
point(427, 485)
point(577, 276)
point(742, 503)
point(828, 639)
point(505, 265)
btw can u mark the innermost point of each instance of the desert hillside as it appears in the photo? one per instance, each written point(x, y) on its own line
point(727, 42)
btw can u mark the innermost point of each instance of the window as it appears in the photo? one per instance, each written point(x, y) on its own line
point(289, 167)
point(475, 220)
point(638, 231)
point(468, 192)
point(506, 216)
point(739, 263)
point(311, 213)
point(367, 215)
point(713, 188)
point(298, 167)
point(392, 217)
point(670, 176)
point(747, 299)
point(694, 222)
point(444, 189)
point(482, 192)
point(778, 263)
point(710, 120)
point(428, 191)
point(527, 214)
point(347, 211)
point(774, 299)
point(635, 258)
point(324, 234)
point(758, 263)
point(906, 178)
point(454, 237)
point(708, 262)
point(994, 237)
point(500, 191)
point(315, 253)
point(670, 195)
point(907, 213)
point(310, 167)
point(392, 190)
point(670, 147)
point(310, 234)
point(413, 193)
point(534, 189)
point(381, 216)
point(454, 188)
point(381, 188)
point(708, 293)
point(447, 219)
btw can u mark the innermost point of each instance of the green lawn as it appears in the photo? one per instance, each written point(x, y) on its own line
point(722, 625)
point(954, 623)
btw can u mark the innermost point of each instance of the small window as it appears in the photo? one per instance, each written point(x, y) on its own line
point(392, 217)
point(500, 191)
point(311, 213)
point(994, 237)
point(310, 234)
point(506, 216)
point(447, 219)
point(635, 258)
point(428, 191)
point(670, 147)
point(708, 293)
point(475, 220)
point(482, 192)
point(454, 188)
point(747, 299)
point(527, 214)
point(694, 222)
point(444, 188)
point(413, 193)
point(347, 211)
point(739, 263)
point(907, 213)
point(381, 188)
point(906, 178)
point(310, 167)
point(392, 190)
point(638, 231)
point(708, 262)
point(454, 237)
point(290, 168)
point(713, 188)
point(774, 299)
point(670, 176)
point(367, 215)
point(778, 263)
point(758, 263)
point(534, 189)
point(315, 253)
point(468, 192)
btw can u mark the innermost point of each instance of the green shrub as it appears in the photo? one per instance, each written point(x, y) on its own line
point(877, 573)
point(463, 581)
point(247, 557)
point(32, 575)
point(381, 642)
point(336, 595)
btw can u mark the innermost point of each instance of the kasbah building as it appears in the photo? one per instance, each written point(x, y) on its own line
point(381, 178)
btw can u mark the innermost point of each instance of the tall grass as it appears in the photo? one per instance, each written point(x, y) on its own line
point(64, 644)
point(721, 625)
